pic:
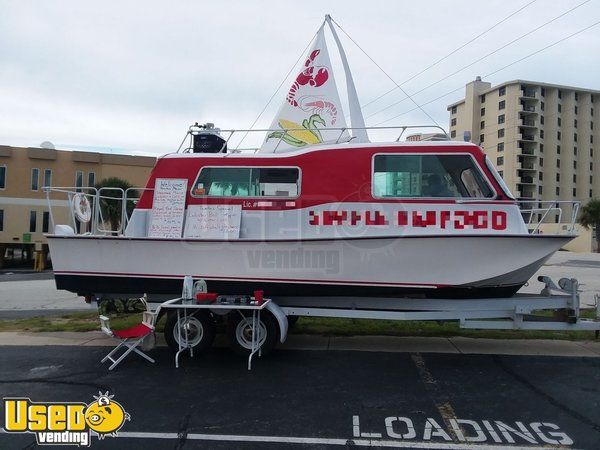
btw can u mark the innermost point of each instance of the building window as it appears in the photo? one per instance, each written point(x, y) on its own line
point(574, 192)
point(453, 134)
point(501, 133)
point(576, 109)
point(502, 104)
point(482, 98)
point(501, 118)
point(575, 151)
point(541, 148)
point(541, 134)
point(35, 179)
point(592, 167)
point(45, 221)
point(558, 177)
point(541, 176)
point(500, 146)
point(482, 124)
point(541, 120)
point(454, 110)
point(32, 221)
point(481, 137)
point(502, 91)
point(574, 178)
point(78, 180)
point(558, 135)
point(542, 105)
point(574, 164)
point(558, 163)
point(591, 138)
point(501, 173)
point(591, 152)
point(47, 177)
point(91, 179)
point(540, 190)
point(591, 179)
point(576, 97)
point(557, 190)
point(590, 193)
point(592, 112)
point(575, 123)
point(541, 162)
point(2, 220)
point(591, 125)
point(483, 111)
point(543, 92)
point(2, 177)
point(559, 121)
point(575, 137)
point(559, 93)
point(453, 122)
point(500, 161)
point(559, 107)
point(558, 149)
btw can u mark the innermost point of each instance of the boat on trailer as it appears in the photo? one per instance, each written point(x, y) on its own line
point(317, 212)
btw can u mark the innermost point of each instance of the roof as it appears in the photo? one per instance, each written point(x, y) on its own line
point(316, 148)
point(535, 83)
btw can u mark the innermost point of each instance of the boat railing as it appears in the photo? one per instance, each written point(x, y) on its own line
point(550, 212)
point(109, 208)
point(342, 136)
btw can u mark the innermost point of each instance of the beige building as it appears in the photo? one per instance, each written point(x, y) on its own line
point(24, 215)
point(540, 136)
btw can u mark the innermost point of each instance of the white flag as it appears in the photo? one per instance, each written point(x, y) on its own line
point(311, 107)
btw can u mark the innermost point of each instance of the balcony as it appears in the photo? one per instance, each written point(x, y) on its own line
point(529, 94)
point(529, 123)
point(526, 180)
point(528, 109)
point(527, 137)
point(526, 149)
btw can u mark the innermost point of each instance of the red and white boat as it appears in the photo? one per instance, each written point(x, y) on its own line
point(315, 213)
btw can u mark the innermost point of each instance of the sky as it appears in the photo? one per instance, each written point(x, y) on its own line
point(132, 76)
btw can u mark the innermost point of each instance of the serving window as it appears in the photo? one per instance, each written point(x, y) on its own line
point(443, 176)
point(247, 182)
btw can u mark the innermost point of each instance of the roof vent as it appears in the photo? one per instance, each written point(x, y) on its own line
point(477, 78)
point(47, 144)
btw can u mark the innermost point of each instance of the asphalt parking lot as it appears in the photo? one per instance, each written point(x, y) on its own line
point(315, 399)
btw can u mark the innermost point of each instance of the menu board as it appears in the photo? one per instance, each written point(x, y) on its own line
point(168, 208)
point(213, 222)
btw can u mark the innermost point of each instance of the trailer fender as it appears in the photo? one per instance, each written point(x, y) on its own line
point(278, 313)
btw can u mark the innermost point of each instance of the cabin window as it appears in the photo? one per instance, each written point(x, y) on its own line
point(247, 182)
point(453, 176)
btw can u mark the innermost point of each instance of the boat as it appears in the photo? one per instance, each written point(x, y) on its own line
point(317, 212)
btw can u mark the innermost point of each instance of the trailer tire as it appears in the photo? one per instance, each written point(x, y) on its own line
point(200, 328)
point(239, 332)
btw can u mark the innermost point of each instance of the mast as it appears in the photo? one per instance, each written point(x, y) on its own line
point(357, 121)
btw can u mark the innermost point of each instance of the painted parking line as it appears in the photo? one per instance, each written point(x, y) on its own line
point(326, 441)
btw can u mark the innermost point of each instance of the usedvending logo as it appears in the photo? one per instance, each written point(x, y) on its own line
point(65, 423)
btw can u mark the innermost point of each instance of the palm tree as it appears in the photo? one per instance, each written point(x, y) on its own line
point(589, 218)
point(111, 201)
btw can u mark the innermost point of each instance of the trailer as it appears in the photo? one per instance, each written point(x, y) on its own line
point(253, 328)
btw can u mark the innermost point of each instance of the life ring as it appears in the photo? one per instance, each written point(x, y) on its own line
point(81, 208)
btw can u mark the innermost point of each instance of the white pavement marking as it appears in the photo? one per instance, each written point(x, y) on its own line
point(325, 441)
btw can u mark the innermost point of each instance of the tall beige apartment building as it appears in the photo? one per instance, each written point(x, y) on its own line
point(24, 212)
point(543, 138)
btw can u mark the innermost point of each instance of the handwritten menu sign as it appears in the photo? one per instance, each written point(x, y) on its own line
point(213, 221)
point(166, 218)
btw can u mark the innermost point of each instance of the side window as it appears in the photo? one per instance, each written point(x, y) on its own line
point(247, 182)
point(445, 176)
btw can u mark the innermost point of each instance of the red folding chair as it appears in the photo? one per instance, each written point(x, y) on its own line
point(130, 338)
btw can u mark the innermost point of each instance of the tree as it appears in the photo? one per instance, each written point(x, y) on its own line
point(111, 200)
point(589, 218)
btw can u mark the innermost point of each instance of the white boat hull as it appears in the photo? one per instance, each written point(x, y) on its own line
point(455, 265)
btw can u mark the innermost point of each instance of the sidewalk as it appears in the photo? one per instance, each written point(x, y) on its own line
point(456, 345)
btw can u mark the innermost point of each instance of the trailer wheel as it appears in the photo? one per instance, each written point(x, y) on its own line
point(239, 332)
point(199, 327)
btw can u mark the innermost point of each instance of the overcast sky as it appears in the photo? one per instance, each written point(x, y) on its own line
point(134, 75)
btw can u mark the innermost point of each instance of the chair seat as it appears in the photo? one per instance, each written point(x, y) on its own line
point(137, 331)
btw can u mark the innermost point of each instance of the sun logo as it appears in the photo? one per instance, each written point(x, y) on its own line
point(105, 416)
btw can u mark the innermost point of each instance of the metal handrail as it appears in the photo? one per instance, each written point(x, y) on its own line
point(196, 129)
point(552, 206)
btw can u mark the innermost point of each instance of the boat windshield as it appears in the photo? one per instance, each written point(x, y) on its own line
point(443, 176)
